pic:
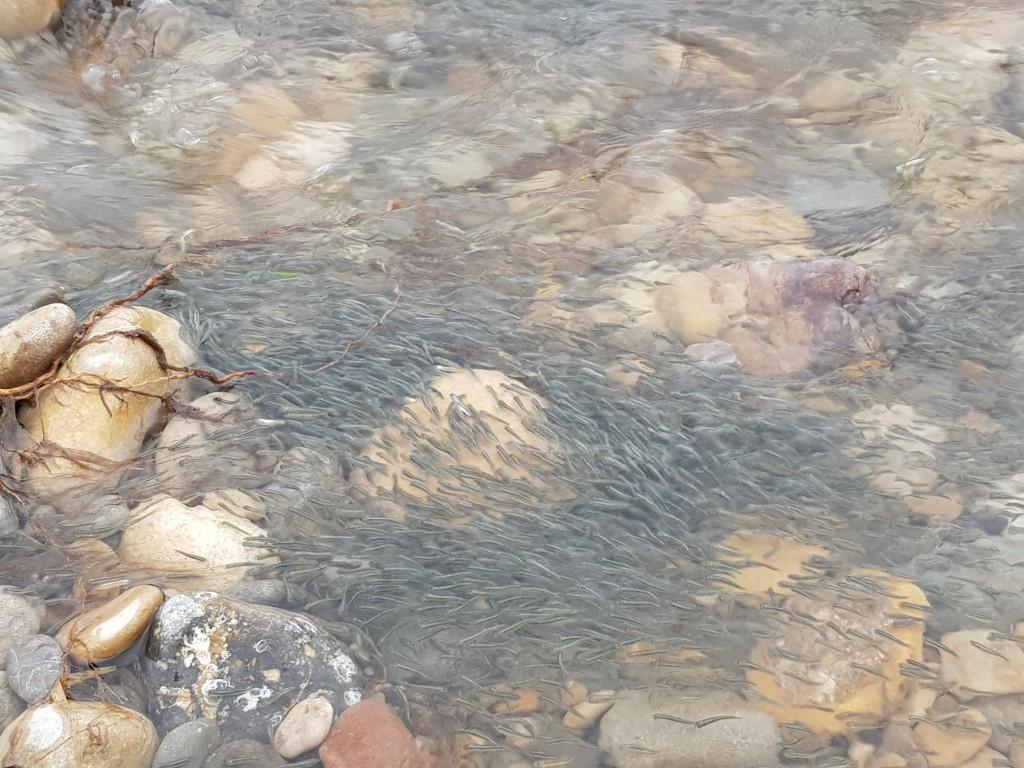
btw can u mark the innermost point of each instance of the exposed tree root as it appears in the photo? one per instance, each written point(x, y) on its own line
point(31, 389)
point(45, 449)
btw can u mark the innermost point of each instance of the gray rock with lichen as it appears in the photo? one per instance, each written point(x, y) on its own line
point(213, 657)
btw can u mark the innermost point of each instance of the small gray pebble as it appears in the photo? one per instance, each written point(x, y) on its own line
point(33, 666)
point(244, 753)
point(18, 621)
point(188, 745)
point(9, 524)
point(10, 705)
point(262, 592)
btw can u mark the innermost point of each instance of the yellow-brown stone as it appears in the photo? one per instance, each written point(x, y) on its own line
point(835, 664)
point(764, 563)
point(110, 629)
point(952, 739)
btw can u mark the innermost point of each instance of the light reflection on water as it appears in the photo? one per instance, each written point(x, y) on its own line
point(526, 178)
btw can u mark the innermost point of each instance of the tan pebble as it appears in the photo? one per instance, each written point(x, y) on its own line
point(588, 712)
point(973, 370)
point(573, 693)
point(191, 547)
point(304, 727)
point(765, 562)
point(525, 701)
point(30, 344)
point(952, 739)
point(688, 308)
point(976, 421)
point(110, 629)
point(755, 220)
point(79, 734)
point(25, 17)
point(268, 111)
point(937, 507)
point(996, 667)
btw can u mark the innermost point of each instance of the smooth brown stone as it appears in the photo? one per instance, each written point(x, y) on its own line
point(110, 629)
point(30, 344)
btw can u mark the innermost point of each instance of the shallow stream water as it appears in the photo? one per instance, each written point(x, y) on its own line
point(374, 194)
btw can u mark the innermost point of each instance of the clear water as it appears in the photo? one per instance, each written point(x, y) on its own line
point(448, 164)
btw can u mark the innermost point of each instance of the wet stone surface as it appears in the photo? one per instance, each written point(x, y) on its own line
point(33, 666)
point(241, 664)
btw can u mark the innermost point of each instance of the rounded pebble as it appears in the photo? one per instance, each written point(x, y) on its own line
point(304, 727)
point(18, 621)
point(188, 745)
point(111, 628)
point(370, 735)
point(262, 592)
point(33, 666)
point(635, 738)
point(79, 734)
point(30, 344)
point(244, 753)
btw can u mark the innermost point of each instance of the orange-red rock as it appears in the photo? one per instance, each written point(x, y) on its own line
point(370, 735)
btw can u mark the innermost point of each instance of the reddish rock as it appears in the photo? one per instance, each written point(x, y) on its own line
point(370, 735)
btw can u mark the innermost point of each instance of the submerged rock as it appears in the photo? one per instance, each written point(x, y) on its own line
point(192, 547)
point(188, 745)
point(759, 222)
point(19, 18)
point(835, 663)
point(244, 753)
point(370, 735)
point(634, 737)
point(242, 665)
point(980, 663)
point(9, 522)
point(952, 739)
point(31, 344)
point(79, 734)
point(474, 434)
point(33, 666)
point(304, 727)
point(188, 455)
point(110, 629)
point(18, 622)
point(763, 563)
point(91, 423)
point(779, 318)
point(11, 704)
